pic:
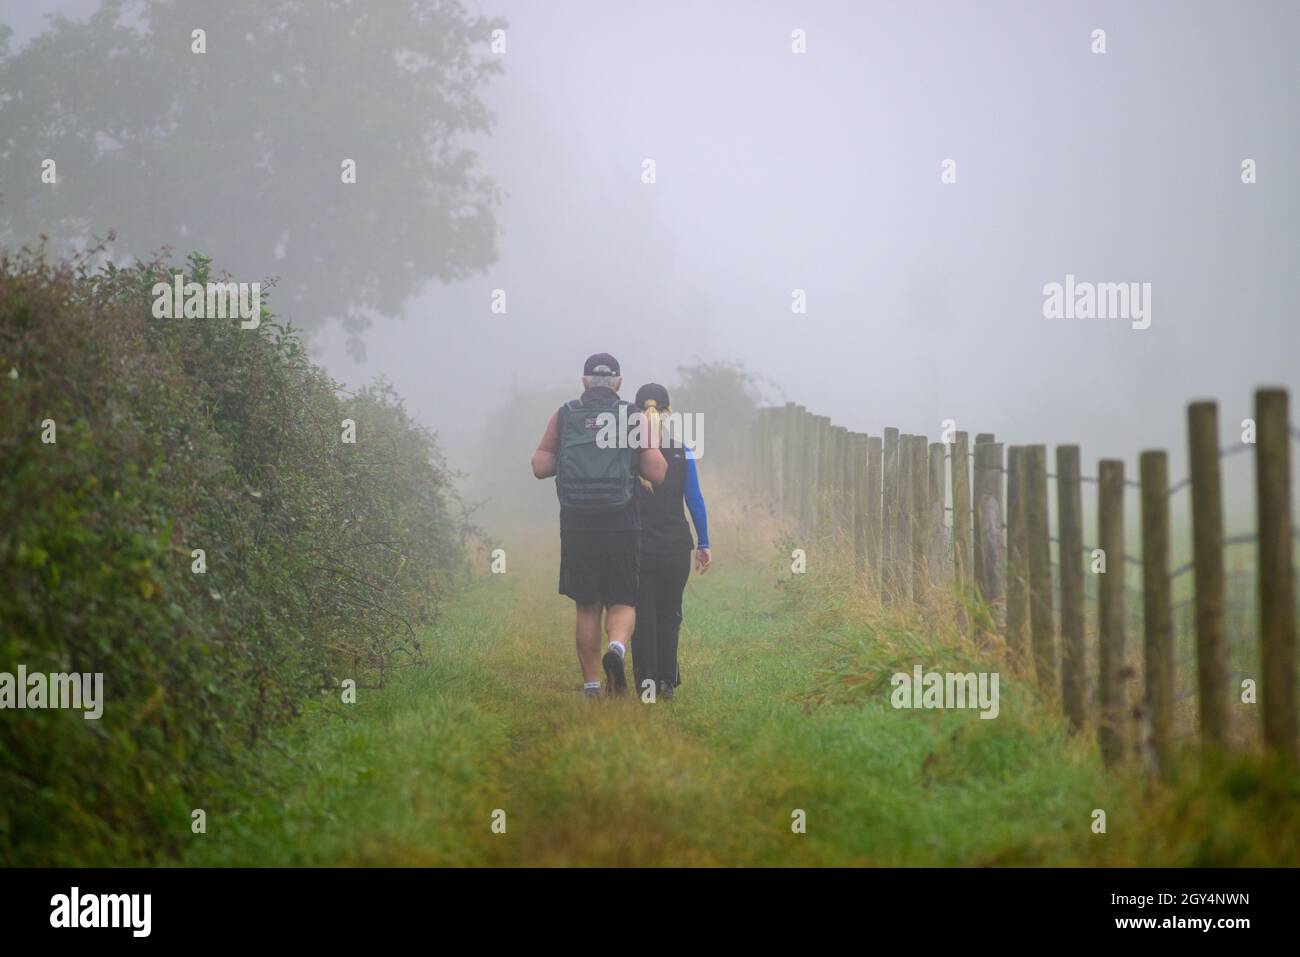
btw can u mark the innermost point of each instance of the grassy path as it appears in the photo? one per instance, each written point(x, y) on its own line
point(412, 774)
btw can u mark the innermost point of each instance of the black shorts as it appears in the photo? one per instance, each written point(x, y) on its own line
point(600, 568)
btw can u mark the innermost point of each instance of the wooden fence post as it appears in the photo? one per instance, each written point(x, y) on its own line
point(903, 520)
point(854, 446)
point(1042, 621)
point(823, 472)
point(794, 452)
point(776, 450)
point(977, 532)
point(890, 501)
point(1207, 548)
point(817, 448)
point(1017, 554)
point(762, 456)
point(961, 528)
point(743, 454)
point(843, 484)
point(937, 529)
point(920, 478)
point(858, 496)
point(833, 523)
point(873, 507)
point(1277, 609)
point(1157, 607)
point(1111, 611)
point(1070, 554)
point(989, 553)
point(789, 443)
point(808, 471)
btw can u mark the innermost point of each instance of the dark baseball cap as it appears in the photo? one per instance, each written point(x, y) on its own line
point(602, 363)
point(652, 390)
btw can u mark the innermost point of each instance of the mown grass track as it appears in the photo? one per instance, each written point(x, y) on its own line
point(784, 705)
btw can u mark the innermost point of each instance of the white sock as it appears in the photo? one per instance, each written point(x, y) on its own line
point(616, 646)
point(590, 685)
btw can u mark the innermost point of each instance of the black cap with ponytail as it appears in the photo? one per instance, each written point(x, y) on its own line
point(652, 390)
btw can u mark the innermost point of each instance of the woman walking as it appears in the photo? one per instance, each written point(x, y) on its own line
point(666, 547)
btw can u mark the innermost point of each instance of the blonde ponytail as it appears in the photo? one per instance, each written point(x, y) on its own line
point(650, 409)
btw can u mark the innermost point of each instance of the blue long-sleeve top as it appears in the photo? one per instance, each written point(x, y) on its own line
point(695, 503)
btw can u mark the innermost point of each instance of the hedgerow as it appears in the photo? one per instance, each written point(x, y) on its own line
point(323, 559)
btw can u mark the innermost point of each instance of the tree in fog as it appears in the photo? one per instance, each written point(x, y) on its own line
point(240, 151)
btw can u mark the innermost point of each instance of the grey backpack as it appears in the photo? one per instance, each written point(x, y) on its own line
point(589, 477)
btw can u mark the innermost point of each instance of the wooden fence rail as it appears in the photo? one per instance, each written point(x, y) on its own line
point(885, 498)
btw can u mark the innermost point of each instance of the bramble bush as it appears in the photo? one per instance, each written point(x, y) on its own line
point(323, 559)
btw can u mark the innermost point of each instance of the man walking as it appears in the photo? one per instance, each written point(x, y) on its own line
point(587, 447)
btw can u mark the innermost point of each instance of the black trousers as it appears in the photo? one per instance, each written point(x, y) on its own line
point(659, 617)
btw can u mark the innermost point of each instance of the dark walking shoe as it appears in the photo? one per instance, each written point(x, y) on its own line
point(614, 672)
point(666, 691)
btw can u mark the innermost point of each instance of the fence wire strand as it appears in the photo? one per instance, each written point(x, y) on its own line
point(1240, 601)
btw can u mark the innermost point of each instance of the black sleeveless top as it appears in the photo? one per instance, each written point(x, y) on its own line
point(664, 529)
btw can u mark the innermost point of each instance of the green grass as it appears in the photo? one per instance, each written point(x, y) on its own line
point(784, 705)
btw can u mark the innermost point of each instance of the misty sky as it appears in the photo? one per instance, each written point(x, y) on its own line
point(821, 171)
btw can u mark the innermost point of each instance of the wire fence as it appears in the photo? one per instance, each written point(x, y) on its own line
point(1214, 626)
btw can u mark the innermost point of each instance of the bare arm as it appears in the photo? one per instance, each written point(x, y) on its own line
point(653, 466)
point(547, 451)
point(543, 464)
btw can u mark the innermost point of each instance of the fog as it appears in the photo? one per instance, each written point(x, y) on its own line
point(821, 171)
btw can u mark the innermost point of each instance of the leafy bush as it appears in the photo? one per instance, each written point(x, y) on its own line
point(322, 557)
point(728, 396)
